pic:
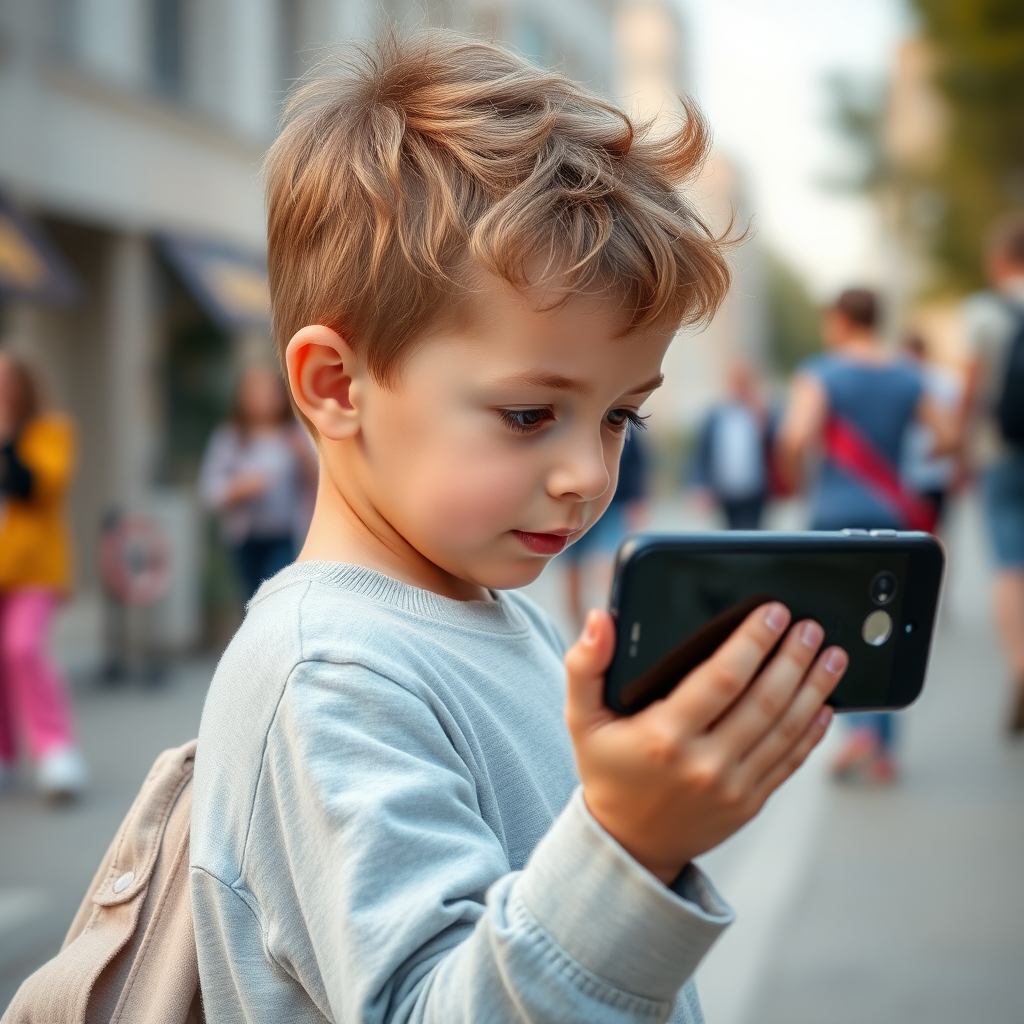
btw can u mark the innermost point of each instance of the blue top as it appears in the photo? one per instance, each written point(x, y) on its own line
point(880, 400)
point(732, 452)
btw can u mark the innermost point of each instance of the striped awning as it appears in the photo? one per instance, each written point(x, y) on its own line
point(30, 266)
point(228, 282)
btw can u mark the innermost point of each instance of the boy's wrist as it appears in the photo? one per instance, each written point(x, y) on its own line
point(666, 870)
point(583, 887)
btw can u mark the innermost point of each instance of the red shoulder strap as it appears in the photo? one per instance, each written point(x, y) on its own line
point(854, 453)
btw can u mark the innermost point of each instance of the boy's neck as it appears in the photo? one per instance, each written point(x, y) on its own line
point(346, 527)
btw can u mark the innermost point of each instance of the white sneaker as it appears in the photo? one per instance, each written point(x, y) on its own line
point(61, 773)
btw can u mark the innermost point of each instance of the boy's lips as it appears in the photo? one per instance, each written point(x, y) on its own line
point(544, 543)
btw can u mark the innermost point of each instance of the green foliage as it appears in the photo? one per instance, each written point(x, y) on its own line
point(856, 108)
point(980, 46)
point(793, 317)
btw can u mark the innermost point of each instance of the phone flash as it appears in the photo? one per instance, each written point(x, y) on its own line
point(634, 634)
point(877, 628)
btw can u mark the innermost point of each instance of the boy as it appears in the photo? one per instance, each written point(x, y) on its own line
point(476, 269)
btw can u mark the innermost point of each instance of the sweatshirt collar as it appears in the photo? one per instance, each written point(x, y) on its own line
point(497, 616)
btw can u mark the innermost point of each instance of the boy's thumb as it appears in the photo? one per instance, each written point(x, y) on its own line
point(585, 664)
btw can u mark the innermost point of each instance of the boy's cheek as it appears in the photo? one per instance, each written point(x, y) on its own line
point(475, 509)
point(470, 501)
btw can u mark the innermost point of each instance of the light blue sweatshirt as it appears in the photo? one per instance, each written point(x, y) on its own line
point(386, 825)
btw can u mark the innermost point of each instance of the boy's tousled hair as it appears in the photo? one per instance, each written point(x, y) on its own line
point(407, 164)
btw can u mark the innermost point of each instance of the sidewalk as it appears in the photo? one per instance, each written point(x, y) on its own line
point(911, 907)
point(892, 906)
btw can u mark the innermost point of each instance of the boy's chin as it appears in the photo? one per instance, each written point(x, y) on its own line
point(513, 575)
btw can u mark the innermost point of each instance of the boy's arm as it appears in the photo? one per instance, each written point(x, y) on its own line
point(387, 869)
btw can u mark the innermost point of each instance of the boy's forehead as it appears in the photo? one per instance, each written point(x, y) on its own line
point(563, 350)
point(543, 337)
point(546, 316)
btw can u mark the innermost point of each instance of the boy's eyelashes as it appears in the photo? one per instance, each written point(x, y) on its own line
point(627, 417)
point(528, 421)
point(525, 421)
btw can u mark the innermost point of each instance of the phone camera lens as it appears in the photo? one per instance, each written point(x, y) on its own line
point(883, 588)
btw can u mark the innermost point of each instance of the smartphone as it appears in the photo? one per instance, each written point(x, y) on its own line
point(677, 598)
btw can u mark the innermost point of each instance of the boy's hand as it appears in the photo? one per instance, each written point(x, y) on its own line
point(676, 779)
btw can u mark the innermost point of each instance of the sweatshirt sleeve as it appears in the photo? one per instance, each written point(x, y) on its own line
point(406, 897)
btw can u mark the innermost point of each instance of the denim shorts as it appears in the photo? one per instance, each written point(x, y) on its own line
point(1003, 493)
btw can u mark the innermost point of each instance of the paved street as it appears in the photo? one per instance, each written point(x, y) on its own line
point(891, 906)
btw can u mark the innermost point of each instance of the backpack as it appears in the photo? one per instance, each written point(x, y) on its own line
point(1009, 409)
point(130, 955)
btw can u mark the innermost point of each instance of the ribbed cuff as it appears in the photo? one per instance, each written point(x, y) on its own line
point(613, 916)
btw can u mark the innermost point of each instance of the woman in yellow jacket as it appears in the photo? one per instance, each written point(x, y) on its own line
point(37, 452)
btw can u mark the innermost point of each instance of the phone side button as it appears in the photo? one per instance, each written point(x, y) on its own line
point(855, 533)
point(883, 533)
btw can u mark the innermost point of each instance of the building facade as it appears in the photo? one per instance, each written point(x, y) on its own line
point(131, 133)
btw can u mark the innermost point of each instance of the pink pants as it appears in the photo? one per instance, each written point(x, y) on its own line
point(33, 701)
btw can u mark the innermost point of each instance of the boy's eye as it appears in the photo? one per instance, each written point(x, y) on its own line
point(525, 421)
point(619, 419)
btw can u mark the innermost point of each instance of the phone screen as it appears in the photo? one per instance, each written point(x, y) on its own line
point(678, 606)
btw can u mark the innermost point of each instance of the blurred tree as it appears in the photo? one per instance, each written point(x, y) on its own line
point(793, 317)
point(856, 110)
point(979, 45)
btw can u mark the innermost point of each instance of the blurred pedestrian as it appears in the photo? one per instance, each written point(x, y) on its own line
point(37, 455)
point(995, 334)
point(731, 462)
point(852, 407)
point(594, 552)
point(930, 476)
point(258, 473)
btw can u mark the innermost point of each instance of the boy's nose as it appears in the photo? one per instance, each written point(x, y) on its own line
point(581, 474)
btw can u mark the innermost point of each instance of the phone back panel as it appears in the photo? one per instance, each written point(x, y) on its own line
point(677, 598)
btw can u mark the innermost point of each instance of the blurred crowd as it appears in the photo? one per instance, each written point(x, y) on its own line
point(870, 435)
point(875, 436)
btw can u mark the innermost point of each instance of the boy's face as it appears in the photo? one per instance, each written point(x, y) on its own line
point(500, 442)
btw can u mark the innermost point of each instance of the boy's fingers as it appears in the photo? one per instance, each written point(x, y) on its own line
point(768, 698)
point(820, 682)
point(797, 755)
point(712, 687)
point(585, 665)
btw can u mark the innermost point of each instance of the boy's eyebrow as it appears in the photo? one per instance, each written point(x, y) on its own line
point(544, 379)
point(558, 382)
point(652, 384)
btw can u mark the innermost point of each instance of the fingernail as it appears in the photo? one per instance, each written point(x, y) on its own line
point(776, 618)
point(835, 660)
point(590, 628)
point(811, 634)
point(824, 716)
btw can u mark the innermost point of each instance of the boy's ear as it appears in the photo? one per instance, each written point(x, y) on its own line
point(321, 369)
